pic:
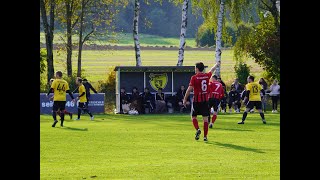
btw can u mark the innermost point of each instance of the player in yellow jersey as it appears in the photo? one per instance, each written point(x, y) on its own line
point(58, 112)
point(253, 93)
point(59, 87)
point(82, 100)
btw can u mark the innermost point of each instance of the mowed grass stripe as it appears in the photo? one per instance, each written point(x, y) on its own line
point(160, 147)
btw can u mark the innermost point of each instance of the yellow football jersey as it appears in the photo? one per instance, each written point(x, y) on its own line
point(60, 87)
point(81, 90)
point(254, 89)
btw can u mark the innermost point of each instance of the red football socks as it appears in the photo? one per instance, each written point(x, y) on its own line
point(195, 123)
point(214, 117)
point(205, 127)
point(66, 112)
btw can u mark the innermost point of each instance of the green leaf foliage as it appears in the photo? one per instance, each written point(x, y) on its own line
point(43, 58)
point(242, 71)
point(206, 36)
point(262, 43)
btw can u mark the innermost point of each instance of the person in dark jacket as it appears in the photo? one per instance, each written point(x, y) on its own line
point(180, 96)
point(238, 87)
point(161, 106)
point(124, 98)
point(223, 102)
point(234, 100)
point(243, 94)
point(148, 100)
point(135, 95)
point(87, 86)
point(136, 100)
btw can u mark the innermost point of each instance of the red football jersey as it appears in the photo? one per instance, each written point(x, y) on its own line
point(216, 90)
point(200, 83)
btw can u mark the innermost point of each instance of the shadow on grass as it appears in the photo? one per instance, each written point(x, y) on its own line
point(230, 129)
point(236, 147)
point(75, 129)
point(273, 124)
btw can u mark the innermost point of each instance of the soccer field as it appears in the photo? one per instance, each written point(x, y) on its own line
point(159, 147)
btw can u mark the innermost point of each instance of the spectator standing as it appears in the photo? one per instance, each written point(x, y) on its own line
point(223, 101)
point(237, 86)
point(264, 86)
point(275, 95)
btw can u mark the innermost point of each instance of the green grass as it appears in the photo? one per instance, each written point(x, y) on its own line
point(125, 39)
point(160, 147)
point(97, 63)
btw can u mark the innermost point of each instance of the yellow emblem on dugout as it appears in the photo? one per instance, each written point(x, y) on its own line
point(158, 80)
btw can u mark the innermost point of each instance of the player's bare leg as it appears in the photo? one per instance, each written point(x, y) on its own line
point(196, 126)
point(65, 112)
point(69, 113)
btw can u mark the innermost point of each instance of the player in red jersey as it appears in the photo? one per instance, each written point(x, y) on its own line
point(199, 84)
point(215, 95)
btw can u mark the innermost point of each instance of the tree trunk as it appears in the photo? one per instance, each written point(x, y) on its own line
point(48, 29)
point(135, 32)
point(275, 11)
point(183, 32)
point(80, 39)
point(51, 29)
point(69, 38)
point(278, 5)
point(219, 37)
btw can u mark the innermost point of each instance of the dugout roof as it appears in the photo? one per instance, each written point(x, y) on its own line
point(155, 68)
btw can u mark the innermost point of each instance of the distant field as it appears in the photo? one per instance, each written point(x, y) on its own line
point(123, 39)
point(97, 63)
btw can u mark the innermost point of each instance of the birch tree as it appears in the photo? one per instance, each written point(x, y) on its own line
point(48, 30)
point(219, 37)
point(278, 5)
point(184, 23)
point(135, 32)
point(213, 12)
